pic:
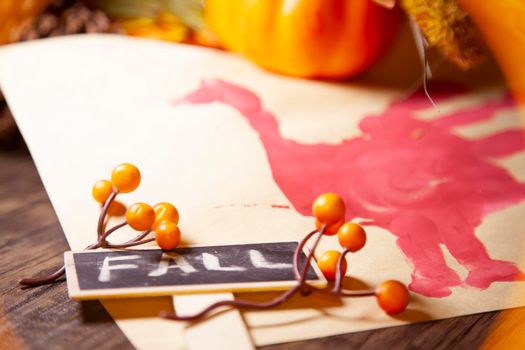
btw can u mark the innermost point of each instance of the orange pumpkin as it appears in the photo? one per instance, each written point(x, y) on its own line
point(305, 38)
point(14, 13)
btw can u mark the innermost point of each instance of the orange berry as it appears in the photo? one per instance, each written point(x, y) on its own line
point(167, 235)
point(328, 264)
point(330, 230)
point(329, 208)
point(165, 212)
point(140, 216)
point(392, 296)
point(102, 189)
point(351, 236)
point(116, 209)
point(125, 177)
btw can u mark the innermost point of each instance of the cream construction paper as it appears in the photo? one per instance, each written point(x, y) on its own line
point(87, 103)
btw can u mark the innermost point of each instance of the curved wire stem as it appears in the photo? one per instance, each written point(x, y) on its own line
point(339, 272)
point(52, 277)
point(301, 277)
point(40, 280)
point(425, 77)
point(298, 251)
point(130, 244)
point(240, 304)
point(343, 293)
point(101, 243)
point(103, 214)
point(302, 286)
point(102, 239)
point(138, 237)
point(310, 255)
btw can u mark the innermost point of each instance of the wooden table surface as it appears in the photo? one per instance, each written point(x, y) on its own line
point(31, 240)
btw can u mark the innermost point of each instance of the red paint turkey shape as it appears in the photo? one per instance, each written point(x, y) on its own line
point(414, 178)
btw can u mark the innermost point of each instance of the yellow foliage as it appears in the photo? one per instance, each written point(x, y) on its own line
point(164, 27)
point(447, 26)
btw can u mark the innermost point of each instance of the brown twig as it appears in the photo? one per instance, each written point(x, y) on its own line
point(49, 278)
point(298, 251)
point(130, 244)
point(339, 273)
point(301, 277)
point(310, 255)
point(234, 303)
point(101, 243)
point(138, 237)
point(46, 279)
point(102, 239)
point(302, 286)
point(103, 214)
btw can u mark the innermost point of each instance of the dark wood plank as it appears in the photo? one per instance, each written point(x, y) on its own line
point(467, 332)
point(31, 240)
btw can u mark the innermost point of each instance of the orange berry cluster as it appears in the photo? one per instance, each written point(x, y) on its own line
point(162, 219)
point(329, 212)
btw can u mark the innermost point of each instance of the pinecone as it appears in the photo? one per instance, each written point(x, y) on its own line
point(64, 17)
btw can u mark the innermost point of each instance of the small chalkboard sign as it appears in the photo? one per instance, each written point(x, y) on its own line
point(102, 274)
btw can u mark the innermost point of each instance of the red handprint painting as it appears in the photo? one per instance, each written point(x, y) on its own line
point(417, 179)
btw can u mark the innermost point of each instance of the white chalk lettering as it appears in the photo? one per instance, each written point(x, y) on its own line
point(179, 262)
point(259, 261)
point(211, 262)
point(105, 270)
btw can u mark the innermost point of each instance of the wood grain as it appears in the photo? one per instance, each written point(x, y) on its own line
point(31, 241)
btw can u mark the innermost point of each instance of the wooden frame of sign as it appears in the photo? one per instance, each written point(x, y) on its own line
point(244, 268)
